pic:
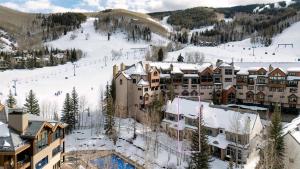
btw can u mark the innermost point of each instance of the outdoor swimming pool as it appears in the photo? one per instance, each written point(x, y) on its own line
point(111, 162)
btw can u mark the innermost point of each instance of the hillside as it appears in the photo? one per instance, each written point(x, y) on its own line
point(242, 51)
point(17, 24)
point(140, 18)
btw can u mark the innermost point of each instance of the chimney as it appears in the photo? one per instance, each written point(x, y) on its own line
point(122, 67)
point(115, 70)
point(271, 68)
point(147, 67)
point(18, 120)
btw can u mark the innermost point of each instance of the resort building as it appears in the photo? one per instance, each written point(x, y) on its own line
point(30, 142)
point(259, 84)
point(229, 133)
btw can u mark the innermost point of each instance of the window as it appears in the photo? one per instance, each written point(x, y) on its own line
point(42, 163)
point(42, 140)
point(56, 151)
point(141, 97)
point(146, 89)
point(155, 73)
point(239, 87)
point(221, 131)
point(57, 134)
point(228, 71)
point(185, 81)
point(121, 81)
point(250, 87)
point(139, 89)
point(280, 89)
point(228, 79)
point(134, 81)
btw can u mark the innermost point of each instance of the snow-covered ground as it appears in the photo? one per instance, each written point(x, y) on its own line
point(92, 72)
point(142, 149)
point(243, 50)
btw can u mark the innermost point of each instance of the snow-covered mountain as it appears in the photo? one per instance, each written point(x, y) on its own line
point(243, 50)
point(93, 71)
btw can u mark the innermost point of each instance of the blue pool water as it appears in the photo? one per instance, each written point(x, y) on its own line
point(111, 162)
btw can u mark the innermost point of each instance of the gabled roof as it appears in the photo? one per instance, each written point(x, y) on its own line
point(213, 117)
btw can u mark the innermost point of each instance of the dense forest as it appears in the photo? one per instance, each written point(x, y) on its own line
point(260, 26)
point(55, 25)
point(131, 27)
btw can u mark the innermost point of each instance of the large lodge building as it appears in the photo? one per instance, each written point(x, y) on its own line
point(260, 84)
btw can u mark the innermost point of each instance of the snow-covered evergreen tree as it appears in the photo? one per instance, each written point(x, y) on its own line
point(32, 105)
point(276, 137)
point(11, 101)
point(200, 157)
point(109, 115)
point(74, 102)
point(67, 113)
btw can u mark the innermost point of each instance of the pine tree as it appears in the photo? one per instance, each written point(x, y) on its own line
point(276, 137)
point(113, 90)
point(74, 102)
point(11, 101)
point(160, 55)
point(67, 116)
point(200, 157)
point(109, 115)
point(180, 58)
point(32, 105)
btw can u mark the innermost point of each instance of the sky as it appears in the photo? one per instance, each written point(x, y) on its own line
point(47, 6)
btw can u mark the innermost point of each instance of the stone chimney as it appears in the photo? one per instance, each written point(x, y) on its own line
point(122, 67)
point(147, 67)
point(271, 68)
point(115, 70)
point(18, 120)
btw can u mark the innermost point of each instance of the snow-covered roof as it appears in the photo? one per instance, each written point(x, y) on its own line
point(181, 66)
point(142, 82)
point(136, 69)
point(190, 75)
point(293, 128)
point(218, 141)
point(294, 69)
point(4, 130)
point(164, 76)
point(243, 72)
point(213, 117)
point(225, 65)
point(176, 70)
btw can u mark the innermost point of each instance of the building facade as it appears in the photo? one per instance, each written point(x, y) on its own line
point(230, 134)
point(221, 83)
point(29, 142)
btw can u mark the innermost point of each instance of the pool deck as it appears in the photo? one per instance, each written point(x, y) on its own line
point(84, 157)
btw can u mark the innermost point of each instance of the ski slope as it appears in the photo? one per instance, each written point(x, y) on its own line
point(92, 72)
point(243, 50)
